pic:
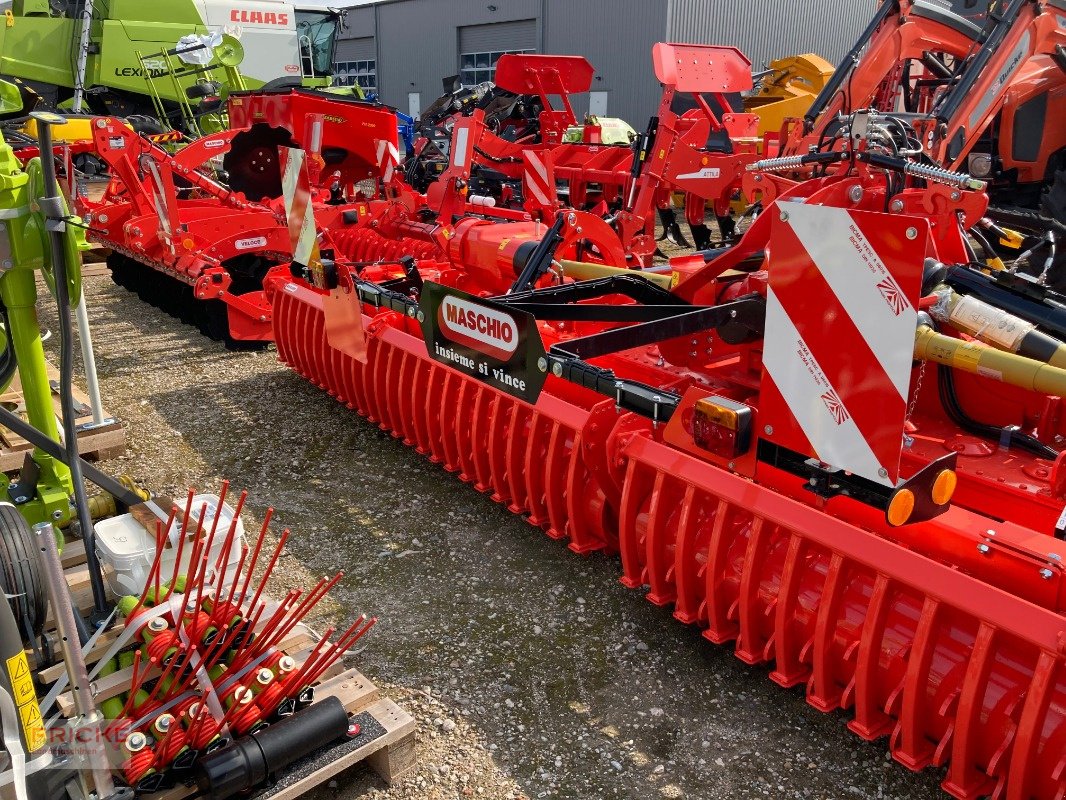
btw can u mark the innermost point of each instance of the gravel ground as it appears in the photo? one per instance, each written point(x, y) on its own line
point(532, 671)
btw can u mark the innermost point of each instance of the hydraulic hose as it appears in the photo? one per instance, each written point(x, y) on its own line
point(951, 354)
point(8, 361)
point(980, 359)
point(52, 207)
point(949, 399)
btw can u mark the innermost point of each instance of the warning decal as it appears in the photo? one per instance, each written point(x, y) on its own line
point(18, 671)
point(840, 321)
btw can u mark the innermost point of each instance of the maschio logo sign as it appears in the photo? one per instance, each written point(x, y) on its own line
point(492, 332)
point(484, 339)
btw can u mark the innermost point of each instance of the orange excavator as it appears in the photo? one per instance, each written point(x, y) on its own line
point(974, 87)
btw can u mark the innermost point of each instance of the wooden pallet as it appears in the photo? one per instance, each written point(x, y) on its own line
point(101, 443)
point(387, 747)
point(97, 267)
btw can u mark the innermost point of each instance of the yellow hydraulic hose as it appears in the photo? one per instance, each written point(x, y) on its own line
point(583, 271)
point(980, 359)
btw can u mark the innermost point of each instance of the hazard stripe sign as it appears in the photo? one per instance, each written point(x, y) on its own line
point(163, 138)
point(388, 159)
point(839, 342)
point(296, 189)
point(538, 178)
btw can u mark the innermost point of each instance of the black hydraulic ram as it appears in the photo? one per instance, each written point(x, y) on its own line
point(847, 64)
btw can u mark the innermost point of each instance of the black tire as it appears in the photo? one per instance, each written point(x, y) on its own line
point(253, 162)
point(146, 125)
point(20, 573)
point(286, 82)
point(200, 90)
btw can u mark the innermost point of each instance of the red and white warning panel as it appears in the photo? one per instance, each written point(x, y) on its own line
point(538, 178)
point(840, 325)
point(296, 189)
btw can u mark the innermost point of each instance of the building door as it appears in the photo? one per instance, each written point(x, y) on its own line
point(414, 104)
point(598, 104)
point(480, 47)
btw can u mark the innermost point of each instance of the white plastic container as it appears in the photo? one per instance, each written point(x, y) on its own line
point(128, 550)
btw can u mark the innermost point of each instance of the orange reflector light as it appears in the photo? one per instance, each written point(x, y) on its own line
point(900, 508)
point(722, 426)
point(944, 487)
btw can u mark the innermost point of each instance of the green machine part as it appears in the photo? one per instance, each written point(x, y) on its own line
point(25, 250)
point(38, 40)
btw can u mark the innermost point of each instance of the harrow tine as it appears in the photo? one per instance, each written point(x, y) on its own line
point(255, 553)
point(270, 565)
point(344, 643)
point(301, 611)
point(181, 542)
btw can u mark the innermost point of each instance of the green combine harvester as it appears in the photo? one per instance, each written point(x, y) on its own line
point(164, 60)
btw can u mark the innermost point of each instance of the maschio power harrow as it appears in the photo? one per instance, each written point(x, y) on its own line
point(835, 443)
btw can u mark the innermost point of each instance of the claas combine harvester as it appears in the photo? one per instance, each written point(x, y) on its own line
point(836, 442)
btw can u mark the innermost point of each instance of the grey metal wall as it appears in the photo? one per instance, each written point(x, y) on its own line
point(767, 29)
point(616, 36)
point(358, 23)
point(418, 41)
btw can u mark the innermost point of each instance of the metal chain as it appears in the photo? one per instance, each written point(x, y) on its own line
point(914, 397)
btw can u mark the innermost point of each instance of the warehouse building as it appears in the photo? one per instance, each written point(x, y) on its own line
point(403, 48)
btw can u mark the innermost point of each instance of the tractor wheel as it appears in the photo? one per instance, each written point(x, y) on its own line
point(253, 162)
point(20, 573)
point(143, 124)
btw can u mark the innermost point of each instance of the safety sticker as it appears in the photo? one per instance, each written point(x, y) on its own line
point(32, 726)
point(18, 670)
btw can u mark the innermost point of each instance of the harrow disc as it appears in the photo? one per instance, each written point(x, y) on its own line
point(253, 162)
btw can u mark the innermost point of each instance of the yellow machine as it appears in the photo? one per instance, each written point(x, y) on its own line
point(77, 128)
point(788, 89)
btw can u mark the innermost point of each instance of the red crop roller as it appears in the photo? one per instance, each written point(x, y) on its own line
point(802, 444)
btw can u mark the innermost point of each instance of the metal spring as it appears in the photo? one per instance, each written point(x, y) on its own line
point(198, 625)
point(270, 698)
point(771, 164)
point(165, 643)
point(246, 719)
point(171, 745)
point(139, 765)
point(225, 614)
point(147, 709)
point(960, 180)
point(181, 710)
point(206, 731)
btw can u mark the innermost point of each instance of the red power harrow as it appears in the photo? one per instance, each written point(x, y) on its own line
point(836, 443)
point(183, 232)
point(700, 151)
